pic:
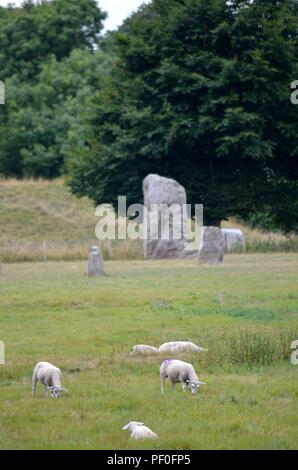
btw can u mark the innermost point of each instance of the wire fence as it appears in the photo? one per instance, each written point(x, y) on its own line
point(75, 250)
point(13, 251)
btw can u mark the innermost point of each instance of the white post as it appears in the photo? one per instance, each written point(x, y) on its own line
point(2, 353)
point(109, 248)
point(44, 250)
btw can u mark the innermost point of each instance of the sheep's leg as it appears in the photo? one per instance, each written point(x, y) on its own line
point(162, 384)
point(34, 382)
point(163, 377)
point(46, 391)
point(173, 386)
point(183, 386)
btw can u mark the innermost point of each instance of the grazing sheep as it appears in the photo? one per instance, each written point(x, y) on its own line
point(179, 372)
point(175, 347)
point(139, 431)
point(143, 350)
point(49, 376)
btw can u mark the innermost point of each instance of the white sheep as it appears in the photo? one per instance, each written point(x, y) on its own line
point(49, 376)
point(179, 372)
point(143, 350)
point(175, 347)
point(139, 431)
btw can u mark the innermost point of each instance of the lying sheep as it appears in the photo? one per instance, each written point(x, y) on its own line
point(175, 347)
point(143, 350)
point(179, 372)
point(139, 431)
point(49, 376)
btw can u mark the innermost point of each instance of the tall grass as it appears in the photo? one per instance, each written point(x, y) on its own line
point(288, 245)
point(77, 250)
point(247, 347)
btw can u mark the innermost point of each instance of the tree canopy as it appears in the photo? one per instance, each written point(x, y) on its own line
point(201, 93)
point(51, 65)
point(30, 34)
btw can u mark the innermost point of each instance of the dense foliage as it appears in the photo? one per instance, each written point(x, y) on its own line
point(51, 70)
point(201, 93)
point(30, 34)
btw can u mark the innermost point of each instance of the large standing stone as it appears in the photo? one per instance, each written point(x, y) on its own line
point(234, 239)
point(95, 262)
point(165, 241)
point(212, 245)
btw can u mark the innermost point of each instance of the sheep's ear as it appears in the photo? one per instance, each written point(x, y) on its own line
point(64, 390)
point(202, 383)
point(126, 427)
point(51, 388)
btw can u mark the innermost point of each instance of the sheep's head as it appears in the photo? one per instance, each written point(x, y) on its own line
point(132, 425)
point(195, 384)
point(56, 391)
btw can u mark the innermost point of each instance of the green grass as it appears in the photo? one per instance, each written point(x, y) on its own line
point(244, 312)
point(39, 210)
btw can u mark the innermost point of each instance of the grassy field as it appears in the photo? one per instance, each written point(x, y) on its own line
point(244, 312)
point(39, 210)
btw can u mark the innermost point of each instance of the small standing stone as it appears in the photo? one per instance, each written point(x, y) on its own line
point(95, 262)
point(212, 245)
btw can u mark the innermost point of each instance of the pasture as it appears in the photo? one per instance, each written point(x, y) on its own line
point(244, 312)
